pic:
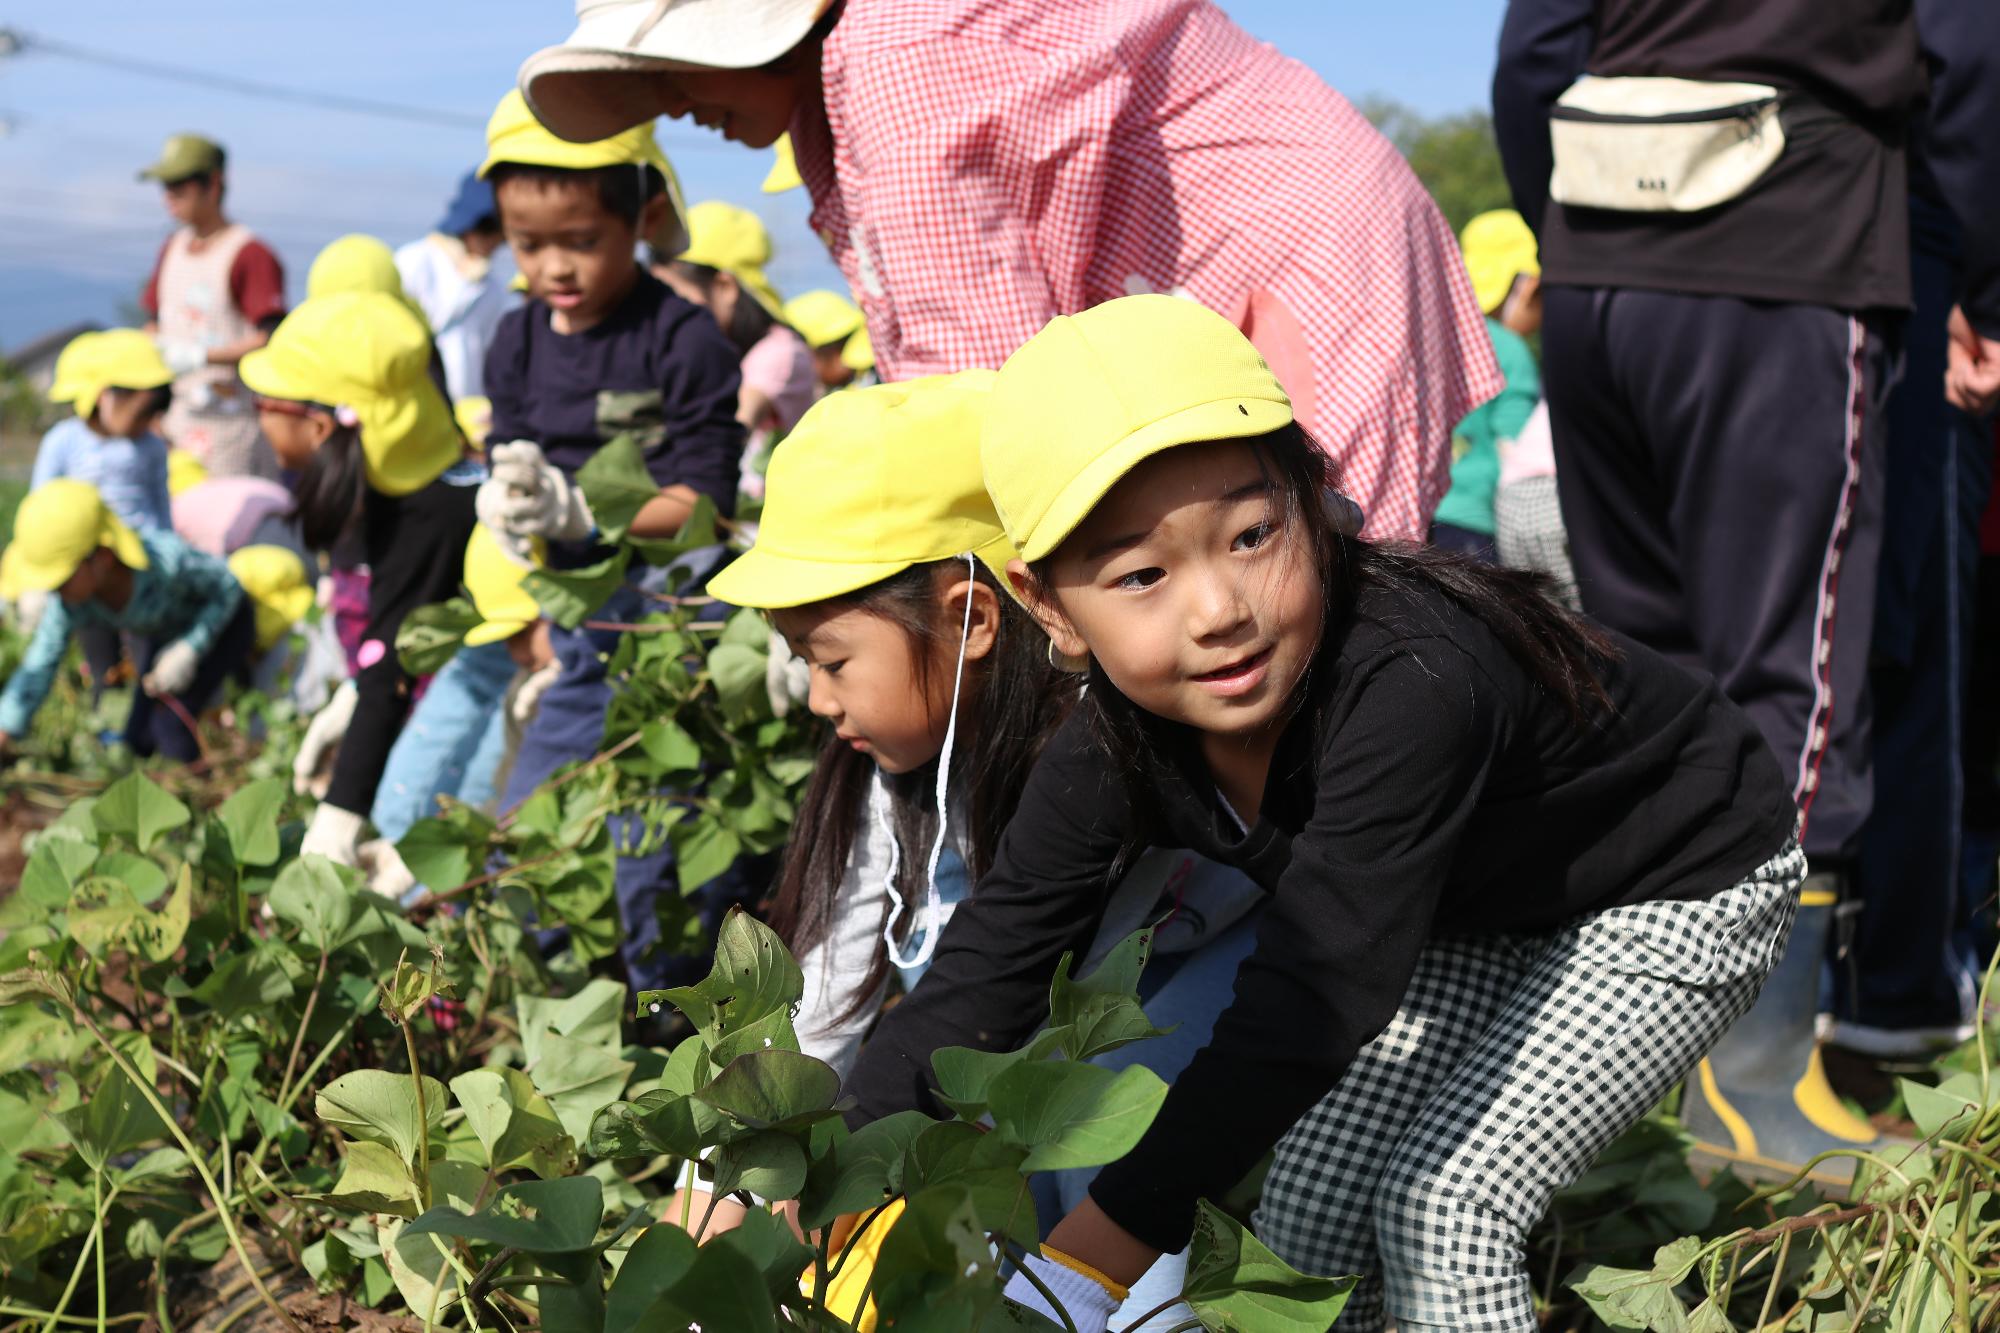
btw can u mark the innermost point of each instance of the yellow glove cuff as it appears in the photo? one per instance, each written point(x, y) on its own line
point(1078, 1266)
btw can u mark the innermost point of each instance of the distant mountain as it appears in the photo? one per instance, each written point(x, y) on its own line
point(37, 300)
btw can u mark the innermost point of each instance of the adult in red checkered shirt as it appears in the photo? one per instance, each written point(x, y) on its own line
point(980, 166)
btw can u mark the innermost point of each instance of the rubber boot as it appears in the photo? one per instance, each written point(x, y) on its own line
point(1760, 1102)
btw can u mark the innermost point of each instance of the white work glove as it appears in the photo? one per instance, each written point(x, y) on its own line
point(182, 356)
point(1089, 1302)
point(787, 678)
point(383, 864)
point(28, 608)
point(322, 738)
point(527, 496)
point(173, 670)
point(335, 834)
point(524, 696)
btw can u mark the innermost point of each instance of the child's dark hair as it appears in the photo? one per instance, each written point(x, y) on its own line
point(330, 486)
point(1559, 649)
point(1020, 700)
point(622, 190)
point(749, 322)
point(157, 401)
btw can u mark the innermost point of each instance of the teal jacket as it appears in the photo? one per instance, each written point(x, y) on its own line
point(1476, 473)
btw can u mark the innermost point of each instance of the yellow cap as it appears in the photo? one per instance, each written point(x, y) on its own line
point(784, 173)
point(275, 580)
point(1093, 395)
point(514, 135)
point(733, 240)
point(59, 524)
point(493, 577)
point(859, 354)
point(823, 317)
point(184, 471)
point(1498, 248)
point(869, 483)
point(112, 359)
point(475, 418)
point(358, 263)
point(366, 352)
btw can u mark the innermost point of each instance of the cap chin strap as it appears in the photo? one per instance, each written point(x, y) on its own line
point(927, 924)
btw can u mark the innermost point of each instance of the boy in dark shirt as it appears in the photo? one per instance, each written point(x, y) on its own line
point(601, 349)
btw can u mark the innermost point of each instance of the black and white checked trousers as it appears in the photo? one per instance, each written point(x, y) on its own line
point(1514, 1060)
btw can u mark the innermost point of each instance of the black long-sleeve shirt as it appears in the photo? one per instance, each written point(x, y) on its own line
point(1439, 790)
point(1827, 224)
point(656, 367)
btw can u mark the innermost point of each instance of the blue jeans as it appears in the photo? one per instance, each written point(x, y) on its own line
point(452, 743)
point(1189, 990)
point(569, 727)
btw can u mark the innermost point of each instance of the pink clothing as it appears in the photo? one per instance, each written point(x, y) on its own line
point(780, 367)
point(1532, 453)
point(984, 165)
point(218, 515)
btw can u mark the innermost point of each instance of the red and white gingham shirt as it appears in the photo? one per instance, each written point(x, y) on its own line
point(985, 165)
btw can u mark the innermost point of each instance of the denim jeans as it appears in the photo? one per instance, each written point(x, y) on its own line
point(452, 743)
point(1189, 990)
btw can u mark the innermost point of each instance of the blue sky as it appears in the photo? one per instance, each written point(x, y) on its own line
point(78, 233)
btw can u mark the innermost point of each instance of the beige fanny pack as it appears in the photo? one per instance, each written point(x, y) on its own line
point(1651, 145)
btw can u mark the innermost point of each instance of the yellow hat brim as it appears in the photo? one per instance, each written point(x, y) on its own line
point(269, 373)
point(494, 631)
point(1229, 418)
point(20, 573)
point(766, 580)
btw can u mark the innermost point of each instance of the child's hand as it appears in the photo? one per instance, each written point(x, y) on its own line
point(527, 496)
point(182, 357)
point(173, 670)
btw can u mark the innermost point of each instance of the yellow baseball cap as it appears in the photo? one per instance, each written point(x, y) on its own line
point(1498, 248)
point(723, 236)
point(182, 156)
point(280, 592)
point(823, 317)
point(111, 359)
point(514, 135)
point(784, 172)
point(859, 354)
point(359, 263)
point(1093, 395)
point(494, 577)
point(184, 471)
point(59, 524)
point(366, 352)
point(869, 483)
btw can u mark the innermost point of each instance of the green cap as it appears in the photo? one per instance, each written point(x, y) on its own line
point(185, 155)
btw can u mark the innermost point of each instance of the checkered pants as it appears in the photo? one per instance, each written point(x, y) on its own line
point(1513, 1061)
point(1528, 533)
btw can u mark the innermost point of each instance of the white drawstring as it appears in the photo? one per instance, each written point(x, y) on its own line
point(927, 923)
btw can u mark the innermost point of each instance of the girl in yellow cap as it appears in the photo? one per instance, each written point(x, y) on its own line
point(119, 387)
point(190, 624)
point(835, 329)
point(346, 397)
point(1522, 872)
point(881, 561)
point(722, 270)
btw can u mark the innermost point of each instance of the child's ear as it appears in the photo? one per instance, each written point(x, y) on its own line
point(653, 214)
point(1046, 612)
point(982, 629)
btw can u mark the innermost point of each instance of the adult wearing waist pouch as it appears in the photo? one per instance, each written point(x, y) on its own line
point(1720, 192)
